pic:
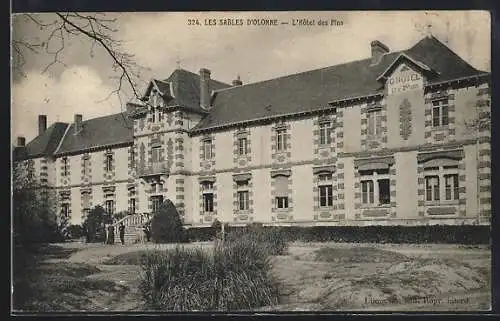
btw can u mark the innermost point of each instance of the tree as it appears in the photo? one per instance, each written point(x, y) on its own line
point(166, 224)
point(97, 28)
point(33, 208)
point(94, 224)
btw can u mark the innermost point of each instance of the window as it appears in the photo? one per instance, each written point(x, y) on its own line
point(243, 200)
point(325, 195)
point(374, 126)
point(282, 202)
point(86, 167)
point(208, 202)
point(207, 149)
point(155, 154)
point(451, 187)
point(325, 188)
point(65, 169)
point(65, 210)
point(384, 191)
point(281, 139)
point(432, 188)
point(325, 133)
point(132, 157)
point(375, 187)
point(109, 163)
point(131, 206)
point(208, 196)
point(86, 201)
point(110, 207)
point(367, 192)
point(242, 146)
point(156, 202)
point(440, 112)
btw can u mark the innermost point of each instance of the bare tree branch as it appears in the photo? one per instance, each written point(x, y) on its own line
point(96, 28)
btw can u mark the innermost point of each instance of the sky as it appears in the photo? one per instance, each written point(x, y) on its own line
point(161, 42)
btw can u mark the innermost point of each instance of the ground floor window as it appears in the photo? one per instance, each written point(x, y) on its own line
point(131, 206)
point(441, 184)
point(375, 188)
point(208, 202)
point(65, 210)
point(109, 206)
point(156, 202)
point(243, 200)
point(282, 202)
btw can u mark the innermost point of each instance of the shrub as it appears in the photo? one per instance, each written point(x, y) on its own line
point(166, 224)
point(235, 275)
point(94, 224)
point(273, 240)
point(75, 231)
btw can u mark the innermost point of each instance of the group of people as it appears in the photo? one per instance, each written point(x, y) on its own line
point(110, 233)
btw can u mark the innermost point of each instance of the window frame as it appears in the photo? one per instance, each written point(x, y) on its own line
point(207, 154)
point(374, 123)
point(156, 201)
point(282, 202)
point(243, 200)
point(440, 112)
point(443, 173)
point(155, 151)
point(325, 133)
point(369, 188)
point(242, 148)
point(65, 161)
point(110, 210)
point(109, 162)
point(281, 143)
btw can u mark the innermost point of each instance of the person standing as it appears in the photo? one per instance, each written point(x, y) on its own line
point(122, 233)
point(111, 234)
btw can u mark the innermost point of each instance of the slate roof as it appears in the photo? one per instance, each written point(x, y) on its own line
point(42, 145)
point(98, 132)
point(186, 89)
point(312, 90)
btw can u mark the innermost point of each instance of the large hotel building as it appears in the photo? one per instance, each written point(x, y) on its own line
point(399, 138)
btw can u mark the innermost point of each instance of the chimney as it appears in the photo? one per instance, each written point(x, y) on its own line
point(21, 141)
point(237, 81)
point(205, 88)
point(378, 50)
point(78, 123)
point(42, 124)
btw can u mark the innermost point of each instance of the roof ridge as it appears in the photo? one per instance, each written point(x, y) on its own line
point(307, 71)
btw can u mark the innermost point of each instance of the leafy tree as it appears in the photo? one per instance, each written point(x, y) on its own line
point(166, 224)
point(34, 213)
point(94, 224)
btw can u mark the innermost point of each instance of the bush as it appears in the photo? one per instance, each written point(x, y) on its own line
point(94, 224)
point(273, 240)
point(75, 232)
point(235, 275)
point(166, 225)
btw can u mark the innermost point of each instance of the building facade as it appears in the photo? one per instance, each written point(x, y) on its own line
point(399, 138)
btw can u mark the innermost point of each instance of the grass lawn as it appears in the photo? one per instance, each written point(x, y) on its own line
point(314, 276)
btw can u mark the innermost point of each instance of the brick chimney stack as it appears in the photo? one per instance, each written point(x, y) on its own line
point(21, 141)
point(205, 88)
point(237, 81)
point(78, 123)
point(378, 50)
point(42, 124)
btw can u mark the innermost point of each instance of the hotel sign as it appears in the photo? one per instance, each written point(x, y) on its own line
point(404, 79)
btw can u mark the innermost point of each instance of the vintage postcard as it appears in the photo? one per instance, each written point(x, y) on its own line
point(251, 161)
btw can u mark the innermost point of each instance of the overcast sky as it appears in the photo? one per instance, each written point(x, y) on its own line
point(162, 41)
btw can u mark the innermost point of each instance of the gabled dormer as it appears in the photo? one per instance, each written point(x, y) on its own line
point(406, 73)
point(158, 93)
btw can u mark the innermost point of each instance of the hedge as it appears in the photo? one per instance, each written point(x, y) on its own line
point(451, 234)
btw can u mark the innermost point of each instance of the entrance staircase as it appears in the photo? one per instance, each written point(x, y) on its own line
point(133, 228)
